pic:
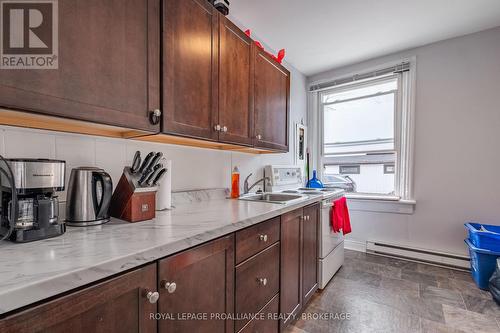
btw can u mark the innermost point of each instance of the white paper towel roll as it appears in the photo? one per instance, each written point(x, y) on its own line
point(164, 194)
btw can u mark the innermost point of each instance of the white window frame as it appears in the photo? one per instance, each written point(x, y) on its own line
point(351, 86)
point(403, 140)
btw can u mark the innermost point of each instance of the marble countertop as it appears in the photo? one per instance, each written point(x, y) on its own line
point(34, 271)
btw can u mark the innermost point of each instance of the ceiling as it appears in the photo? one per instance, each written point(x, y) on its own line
point(323, 34)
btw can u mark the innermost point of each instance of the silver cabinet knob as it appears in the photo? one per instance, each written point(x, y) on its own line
point(224, 129)
point(169, 286)
point(157, 112)
point(217, 128)
point(263, 238)
point(259, 137)
point(262, 281)
point(152, 296)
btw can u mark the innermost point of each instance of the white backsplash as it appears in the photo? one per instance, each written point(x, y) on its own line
point(192, 168)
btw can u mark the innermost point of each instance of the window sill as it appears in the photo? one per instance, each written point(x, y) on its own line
point(380, 204)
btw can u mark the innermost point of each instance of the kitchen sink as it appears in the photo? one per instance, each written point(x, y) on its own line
point(278, 198)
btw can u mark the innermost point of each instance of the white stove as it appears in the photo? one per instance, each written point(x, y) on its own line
point(326, 193)
point(289, 179)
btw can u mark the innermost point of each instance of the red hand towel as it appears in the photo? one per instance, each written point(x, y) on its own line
point(346, 225)
point(335, 218)
point(340, 216)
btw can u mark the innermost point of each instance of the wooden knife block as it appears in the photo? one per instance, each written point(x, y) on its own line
point(133, 203)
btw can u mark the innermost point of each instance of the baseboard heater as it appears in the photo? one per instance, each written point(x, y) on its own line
point(419, 255)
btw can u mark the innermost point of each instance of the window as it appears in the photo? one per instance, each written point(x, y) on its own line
point(365, 133)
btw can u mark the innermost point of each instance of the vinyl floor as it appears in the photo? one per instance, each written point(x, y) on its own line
point(371, 293)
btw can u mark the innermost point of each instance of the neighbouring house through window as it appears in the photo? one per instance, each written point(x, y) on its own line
point(365, 132)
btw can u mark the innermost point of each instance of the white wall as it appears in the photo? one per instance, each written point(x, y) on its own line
point(457, 137)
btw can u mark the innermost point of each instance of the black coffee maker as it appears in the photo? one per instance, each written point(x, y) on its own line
point(29, 208)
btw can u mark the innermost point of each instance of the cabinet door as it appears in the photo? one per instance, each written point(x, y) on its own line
point(310, 252)
point(290, 289)
point(109, 65)
point(190, 68)
point(119, 305)
point(204, 284)
point(271, 102)
point(235, 84)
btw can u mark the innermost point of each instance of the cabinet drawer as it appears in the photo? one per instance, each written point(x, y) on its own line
point(257, 281)
point(264, 323)
point(256, 238)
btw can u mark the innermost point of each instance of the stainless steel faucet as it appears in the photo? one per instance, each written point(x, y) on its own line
point(246, 188)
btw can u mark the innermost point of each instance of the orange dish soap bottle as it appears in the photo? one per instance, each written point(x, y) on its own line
point(235, 183)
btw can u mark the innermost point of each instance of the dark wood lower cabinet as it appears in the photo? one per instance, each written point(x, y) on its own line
point(257, 281)
point(254, 239)
point(310, 252)
point(117, 305)
point(195, 290)
point(290, 289)
point(204, 287)
point(265, 322)
point(299, 260)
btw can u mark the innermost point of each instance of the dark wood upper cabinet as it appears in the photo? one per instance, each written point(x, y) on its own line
point(271, 102)
point(204, 283)
point(290, 287)
point(190, 68)
point(217, 84)
point(310, 252)
point(120, 61)
point(235, 84)
point(117, 305)
point(109, 66)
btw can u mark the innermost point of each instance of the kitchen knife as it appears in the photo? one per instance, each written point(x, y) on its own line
point(146, 161)
point(156, 170)
point(136, 163)
point(155, 160)
point(145, 175)
point(159, 176)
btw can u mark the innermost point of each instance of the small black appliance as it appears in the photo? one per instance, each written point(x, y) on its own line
point(221, 5)
point(29, 208)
